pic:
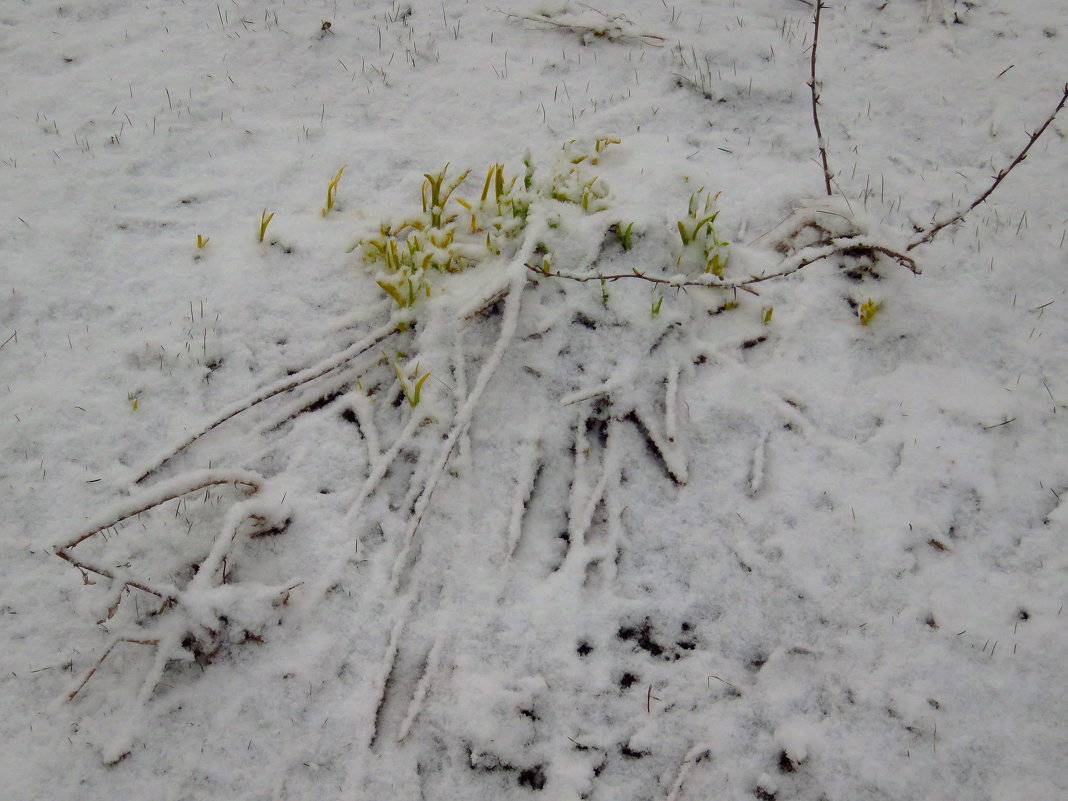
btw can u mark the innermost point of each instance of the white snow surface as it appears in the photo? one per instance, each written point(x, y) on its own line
point(611, 554)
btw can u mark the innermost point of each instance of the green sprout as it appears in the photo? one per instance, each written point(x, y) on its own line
point(699, 229)
point(768, 312)
point(202, 241)
point(624, 234)
point(405, 292)
point(411, 391)
point(600, 146)
point(604, 293)
point(528, 176)
point(265, 220)
point(331, 191)
point(437, 199)
point(690, 234)
point(656, 304)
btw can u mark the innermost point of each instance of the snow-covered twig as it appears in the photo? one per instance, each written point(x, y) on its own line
point(611, 30)
point(535, 230)
point(849, 245)
point(285, 385)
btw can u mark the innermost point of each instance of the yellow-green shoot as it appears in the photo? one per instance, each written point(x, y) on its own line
point(656, 304)
point(699, 228)
point(600, 146)
point(411, 391)
point(265, 220)
point(439, 194)
point(202, 241)
point(331, 191)
point(867, 311)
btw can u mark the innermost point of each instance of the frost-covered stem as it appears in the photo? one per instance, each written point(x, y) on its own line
point(611, 463)
point(162, 591)
point(814, 86)
point(162, 493)
point(524, 487)
point(381, 682)
point(285, 385)
point(381, 467)
point(422, 688)
point(932, 232)
point(223, 542)
point(579, 487)
point(693, 756)
point(513, 301)
point(671, 395)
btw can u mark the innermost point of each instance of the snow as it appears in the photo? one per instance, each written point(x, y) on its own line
point(618, 549)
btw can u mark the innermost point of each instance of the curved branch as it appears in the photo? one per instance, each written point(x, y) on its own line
point(932, 232)
point(853, 246)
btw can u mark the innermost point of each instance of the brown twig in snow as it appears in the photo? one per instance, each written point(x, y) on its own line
point(154, 501)
point(285, 385)
point(612, 30)
point(932, 232)
point(92, 671)
point(851, 246)
point(582, 279)
point(814, 86)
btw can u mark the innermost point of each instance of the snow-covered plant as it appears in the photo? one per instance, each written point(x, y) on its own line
point(571, 184)
point(445, 238)
point(702, 250)
point(412, 389)
point(167, 581)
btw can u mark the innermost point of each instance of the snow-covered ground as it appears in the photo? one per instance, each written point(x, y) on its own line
point(527, 534)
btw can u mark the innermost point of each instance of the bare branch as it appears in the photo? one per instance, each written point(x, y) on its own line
point(612, 30)
point(677, 281)
point(814, 86)
point(850, 246)
point(168, 492)
point(933, 231)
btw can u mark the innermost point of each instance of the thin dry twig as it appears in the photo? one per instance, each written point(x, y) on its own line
point(814, 86)
point(612, 31)
point(933, 231)
point(852, 246)
point(674, 282)
point(159, 500)
point(163, 494)
point(96, 666)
